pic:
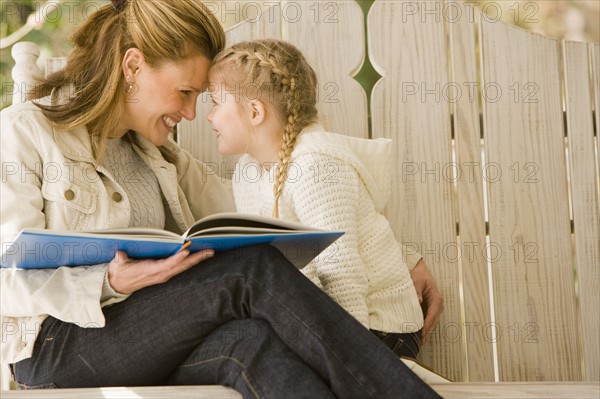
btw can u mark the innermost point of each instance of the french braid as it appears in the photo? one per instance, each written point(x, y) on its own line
point(279, 68)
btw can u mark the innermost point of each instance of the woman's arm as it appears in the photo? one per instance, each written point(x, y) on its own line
point(71, 294)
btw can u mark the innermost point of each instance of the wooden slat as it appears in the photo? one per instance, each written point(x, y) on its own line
point(197, 136)
point(410, 52)
point(580, 129)
point(530, 390)
point(171, 392)
point(331, 37)
point(5, 376)
point(471, 218)
point(448, 391)
point(595, 50)
point(530, 238)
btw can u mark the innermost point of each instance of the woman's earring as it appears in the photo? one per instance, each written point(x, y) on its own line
point(129, 87)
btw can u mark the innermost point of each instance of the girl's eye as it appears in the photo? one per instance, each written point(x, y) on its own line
point(186, 92)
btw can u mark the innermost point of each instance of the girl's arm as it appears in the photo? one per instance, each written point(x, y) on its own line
point(330, 201)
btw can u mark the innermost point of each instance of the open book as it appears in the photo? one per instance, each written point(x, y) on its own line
point(41, 249)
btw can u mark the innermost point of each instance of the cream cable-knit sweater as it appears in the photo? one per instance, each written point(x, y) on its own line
point(139, 183)
point(342, 183)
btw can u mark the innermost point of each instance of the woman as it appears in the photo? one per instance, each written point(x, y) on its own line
point(102, 124)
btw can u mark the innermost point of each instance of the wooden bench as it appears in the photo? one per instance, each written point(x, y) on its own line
point(496, 180)
point(458, 390)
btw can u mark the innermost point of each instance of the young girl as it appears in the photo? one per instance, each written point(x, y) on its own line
point(264, 105)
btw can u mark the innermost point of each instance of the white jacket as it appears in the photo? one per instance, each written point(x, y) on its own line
point(49, 180)
point(337, 182)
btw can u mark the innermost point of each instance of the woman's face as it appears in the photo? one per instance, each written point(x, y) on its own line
point(161, 97)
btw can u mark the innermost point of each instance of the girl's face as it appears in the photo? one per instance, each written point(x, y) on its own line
point(230, 120)
point(162, 97)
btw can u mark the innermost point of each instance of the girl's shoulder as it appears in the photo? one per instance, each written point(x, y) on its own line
point(315, 139)
point(352, 157)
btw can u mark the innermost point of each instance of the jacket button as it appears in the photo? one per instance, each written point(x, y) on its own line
point(69, 195)
point(117, 197)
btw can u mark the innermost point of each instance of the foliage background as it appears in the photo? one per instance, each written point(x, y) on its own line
point(570, 19)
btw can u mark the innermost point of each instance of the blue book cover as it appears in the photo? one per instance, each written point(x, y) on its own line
point(42, 249)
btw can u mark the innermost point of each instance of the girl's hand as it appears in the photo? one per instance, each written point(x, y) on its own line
point(127, 276)
point(429, 297)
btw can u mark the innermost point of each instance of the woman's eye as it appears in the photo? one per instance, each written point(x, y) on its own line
point(186, 92)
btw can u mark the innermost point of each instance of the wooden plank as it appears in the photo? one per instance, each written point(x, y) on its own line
point(5, 376)
point(409, 51)
point(584, 192)
point(171, 392)
point(331, 37)
point(524, 390)
point(197, 136)
point(529, 223)
point(595, 51)
point(448, 391)
point(469, 179)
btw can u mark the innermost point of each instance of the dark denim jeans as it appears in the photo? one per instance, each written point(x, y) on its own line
point(305, 344)
point(407, 345)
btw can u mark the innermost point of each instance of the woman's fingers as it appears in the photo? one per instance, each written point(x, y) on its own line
point(184, 260)
point(126, 275)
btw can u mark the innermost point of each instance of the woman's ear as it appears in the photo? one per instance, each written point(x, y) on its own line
point(257, 112)
point(132, 61)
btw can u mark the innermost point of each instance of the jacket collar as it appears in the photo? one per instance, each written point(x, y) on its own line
point(74, 143)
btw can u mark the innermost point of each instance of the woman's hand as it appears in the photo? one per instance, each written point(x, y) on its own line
point(127, 276)
point(429, 297)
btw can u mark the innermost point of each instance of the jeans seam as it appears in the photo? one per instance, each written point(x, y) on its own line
point(236, 361)
point(245, 376)
point(249, 384)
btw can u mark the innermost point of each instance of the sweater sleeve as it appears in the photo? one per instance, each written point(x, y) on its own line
point(410, 256)
point(324, 194)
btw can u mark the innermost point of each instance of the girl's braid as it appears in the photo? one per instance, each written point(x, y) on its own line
point(292, 81)
point(291, 96)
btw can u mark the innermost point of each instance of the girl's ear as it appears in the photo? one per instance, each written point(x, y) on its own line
point(257, 112)
point(132, 61)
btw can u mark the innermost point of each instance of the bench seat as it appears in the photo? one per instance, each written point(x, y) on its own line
point(462, 390)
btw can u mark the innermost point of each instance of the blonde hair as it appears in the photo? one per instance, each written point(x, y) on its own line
point(164, 31)
point(277, 70)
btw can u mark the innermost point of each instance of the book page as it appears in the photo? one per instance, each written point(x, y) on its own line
point(241, 223)
point(130, 233)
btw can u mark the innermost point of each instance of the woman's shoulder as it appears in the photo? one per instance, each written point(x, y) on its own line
point(24, 119)
point(21, 109)
point(31, 113)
